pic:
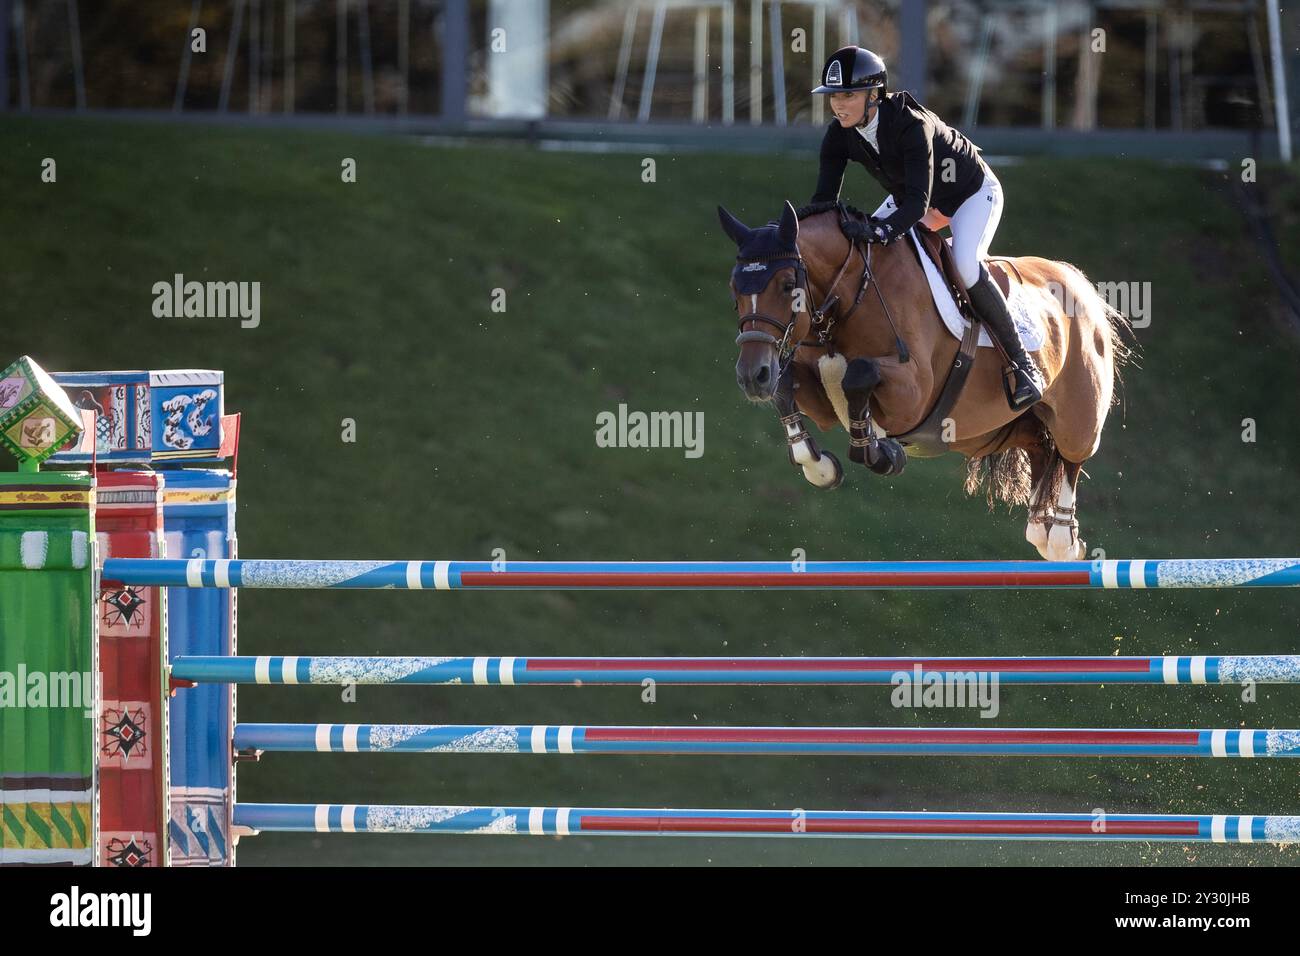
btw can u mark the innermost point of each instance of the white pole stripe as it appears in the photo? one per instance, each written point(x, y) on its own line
point(507, 670)
point(262, 670)
point(442, 575)
point(413, 575)
point(350, 734)
point(537, 740)
point(1219, 743)
point(221, 572)
point(1245, 827)
point(289, 672)
point(566, 740)
point(562, 821)
point(480, 670)
point(323, 738)
point(194, 572)
point(1110, 574)
point(1137, 574)
point(535, 821)
point(1246, 743)
point(1219, 828)
point(322, 817)
point(1169, 666)
point(1198, 670)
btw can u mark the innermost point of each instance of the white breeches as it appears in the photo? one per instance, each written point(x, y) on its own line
point(973, 226)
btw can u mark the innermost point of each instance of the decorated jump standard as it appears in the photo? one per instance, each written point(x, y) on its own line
point(706, 575)
point(1261, 669)
point(87, 777)
point(899, 741)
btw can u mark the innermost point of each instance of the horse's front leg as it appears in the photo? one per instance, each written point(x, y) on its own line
point(867, 442)
point(821, 468)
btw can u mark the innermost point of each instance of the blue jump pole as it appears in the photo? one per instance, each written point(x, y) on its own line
point(705, 575)
point(566, 821)
point(905, 741)
point(1277, 669)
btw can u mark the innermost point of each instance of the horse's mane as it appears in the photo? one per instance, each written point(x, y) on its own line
point(817, 208)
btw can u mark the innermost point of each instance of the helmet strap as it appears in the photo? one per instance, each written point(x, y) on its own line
point(866, 110)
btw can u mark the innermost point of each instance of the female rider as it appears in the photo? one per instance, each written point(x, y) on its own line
point(932, 173)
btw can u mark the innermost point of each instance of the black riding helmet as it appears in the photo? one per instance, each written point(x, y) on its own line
point(853, 68)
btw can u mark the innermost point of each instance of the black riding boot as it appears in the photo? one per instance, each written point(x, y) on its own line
point(991, 305)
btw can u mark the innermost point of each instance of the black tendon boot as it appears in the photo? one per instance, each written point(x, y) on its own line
point(989, 302)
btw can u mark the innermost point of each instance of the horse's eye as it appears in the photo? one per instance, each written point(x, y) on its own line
point(788, 288)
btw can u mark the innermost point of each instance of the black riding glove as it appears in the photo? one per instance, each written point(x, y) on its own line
point(882, 232)
point(872, 230)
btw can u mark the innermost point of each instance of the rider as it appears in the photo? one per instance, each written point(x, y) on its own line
point(930, 171)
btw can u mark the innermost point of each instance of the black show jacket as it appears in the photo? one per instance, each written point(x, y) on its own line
point(923, 162)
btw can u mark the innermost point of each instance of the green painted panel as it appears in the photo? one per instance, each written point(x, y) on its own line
point(46, 667)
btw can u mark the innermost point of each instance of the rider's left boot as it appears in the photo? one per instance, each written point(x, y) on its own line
point(991, 305)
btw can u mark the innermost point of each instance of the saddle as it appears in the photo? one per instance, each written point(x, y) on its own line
point(940, 254)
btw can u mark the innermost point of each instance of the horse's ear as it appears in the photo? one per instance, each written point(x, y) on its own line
point(734, 228)
point(787, 231)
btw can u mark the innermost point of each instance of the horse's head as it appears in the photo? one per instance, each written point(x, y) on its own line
point(770, 288)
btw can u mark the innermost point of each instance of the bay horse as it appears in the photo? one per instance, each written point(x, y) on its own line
point(817, 339)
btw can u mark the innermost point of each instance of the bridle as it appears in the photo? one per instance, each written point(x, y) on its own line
point(823, 319)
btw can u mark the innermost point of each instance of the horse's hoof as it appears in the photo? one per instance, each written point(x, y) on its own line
point(886, 457)
point(819, 476)
point(1072, 549)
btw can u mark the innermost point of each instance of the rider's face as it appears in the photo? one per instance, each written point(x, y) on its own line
point(848, 107)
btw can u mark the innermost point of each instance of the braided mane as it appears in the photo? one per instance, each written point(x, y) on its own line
point(817, 208)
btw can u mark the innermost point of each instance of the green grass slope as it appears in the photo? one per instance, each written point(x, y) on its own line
point(475, 431)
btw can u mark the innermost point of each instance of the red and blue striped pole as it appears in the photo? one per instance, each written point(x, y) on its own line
point(574, 821)
point(904, 741)
point(1173, 669)
point(706, 575)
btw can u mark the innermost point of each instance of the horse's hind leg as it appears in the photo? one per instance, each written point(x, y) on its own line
point(1053, 522)
point(1073, 411)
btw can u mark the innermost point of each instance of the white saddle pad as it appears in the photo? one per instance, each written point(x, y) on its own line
point(1024, 308)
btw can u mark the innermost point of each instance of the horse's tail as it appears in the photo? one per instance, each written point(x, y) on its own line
point(1003, 473)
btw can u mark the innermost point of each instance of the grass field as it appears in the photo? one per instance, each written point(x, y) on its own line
point(475, 432)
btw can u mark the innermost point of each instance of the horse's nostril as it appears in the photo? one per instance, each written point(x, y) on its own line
point(764, 375)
